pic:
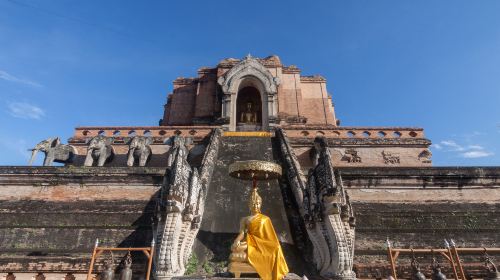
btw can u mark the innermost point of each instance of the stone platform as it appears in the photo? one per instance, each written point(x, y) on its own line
point(289, 276)
point(51, 216)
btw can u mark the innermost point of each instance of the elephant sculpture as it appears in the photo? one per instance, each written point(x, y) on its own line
point(139, 149)
point(99, 150)
point(54, 151)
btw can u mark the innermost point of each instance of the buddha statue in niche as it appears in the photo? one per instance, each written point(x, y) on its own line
point(257, 245)
point(249, 115)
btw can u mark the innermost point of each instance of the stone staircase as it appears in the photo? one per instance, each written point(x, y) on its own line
point(227, 201)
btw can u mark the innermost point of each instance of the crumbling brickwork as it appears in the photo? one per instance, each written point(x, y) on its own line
point(50, 217)
point(196, 100)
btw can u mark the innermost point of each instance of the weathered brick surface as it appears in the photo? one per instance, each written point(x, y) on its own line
point(315, 104)
point(183, 104)
point(206, 96)
point(50, 217)
point(419, 208)
point(195, 98)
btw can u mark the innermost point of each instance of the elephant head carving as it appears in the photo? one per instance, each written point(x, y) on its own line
point(54, 151)
point(139, 149)
point(99, 150)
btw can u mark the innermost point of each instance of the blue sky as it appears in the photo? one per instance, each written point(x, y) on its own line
point(430, 64)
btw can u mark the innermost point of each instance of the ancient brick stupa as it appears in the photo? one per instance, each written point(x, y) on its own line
point(169, 184)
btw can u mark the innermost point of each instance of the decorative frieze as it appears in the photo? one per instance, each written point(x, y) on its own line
point(390, 158)
point(425, 156)
point(351, 156)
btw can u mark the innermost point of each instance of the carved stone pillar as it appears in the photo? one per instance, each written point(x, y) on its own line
point(275, 105)
point(226, 106)
point(270, 105)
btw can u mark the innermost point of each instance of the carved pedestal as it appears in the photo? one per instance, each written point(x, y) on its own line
point(237, 268)
point(248, 127)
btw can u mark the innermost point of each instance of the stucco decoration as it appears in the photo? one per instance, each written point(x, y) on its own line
point(248, 67)
point(249, 72)
point(180, 207)
point(324, 207)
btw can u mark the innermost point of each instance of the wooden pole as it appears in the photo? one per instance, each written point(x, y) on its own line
point(452, 262)
point(391, 260)
point(150, 262)
point(459, 263)
point(92, 260)
point(451, 253)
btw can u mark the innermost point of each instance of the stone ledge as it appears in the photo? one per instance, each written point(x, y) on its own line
point(60, 175)
point(461, 172)
point(80, 170)
point(353, 142)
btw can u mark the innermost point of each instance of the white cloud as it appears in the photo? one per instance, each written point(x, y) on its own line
point(476, 154)
point(436, 146)
point(470, 151)
point(475, 147)
point(8, 77)
point(452, 145)
point(25, 111)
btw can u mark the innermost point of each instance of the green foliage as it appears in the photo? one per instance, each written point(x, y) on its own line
point(192, 265)
point(212, 268)
point(209, 269)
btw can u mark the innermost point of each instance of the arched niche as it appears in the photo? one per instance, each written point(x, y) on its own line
point(249, 73)
point(250, 114)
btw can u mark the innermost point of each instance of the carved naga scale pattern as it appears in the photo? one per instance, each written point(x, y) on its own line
point(324, 208)
point(181, 205)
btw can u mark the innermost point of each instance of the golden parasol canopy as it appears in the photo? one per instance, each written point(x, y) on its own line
point(255, 170)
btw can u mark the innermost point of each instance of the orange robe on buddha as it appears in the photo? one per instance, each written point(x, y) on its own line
point(264, 250)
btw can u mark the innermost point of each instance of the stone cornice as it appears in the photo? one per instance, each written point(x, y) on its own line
point(207, 70)
point(292, 69)
point(333, 127)
point(83, 133)
point(488, 176)
point(184, 81)
point(270, 61)
point(370, 142)
point(312, 79)
point(52, 176)
point(421, 177)
point(443, 171)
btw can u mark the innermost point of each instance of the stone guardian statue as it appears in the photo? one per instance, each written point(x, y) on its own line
point(139, 149)
point(126, 273)
point(99, 150)
point(109, 271)
point(54, 152)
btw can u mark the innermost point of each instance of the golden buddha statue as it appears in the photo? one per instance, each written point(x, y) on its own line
point(249, 116)
point(257, 248)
